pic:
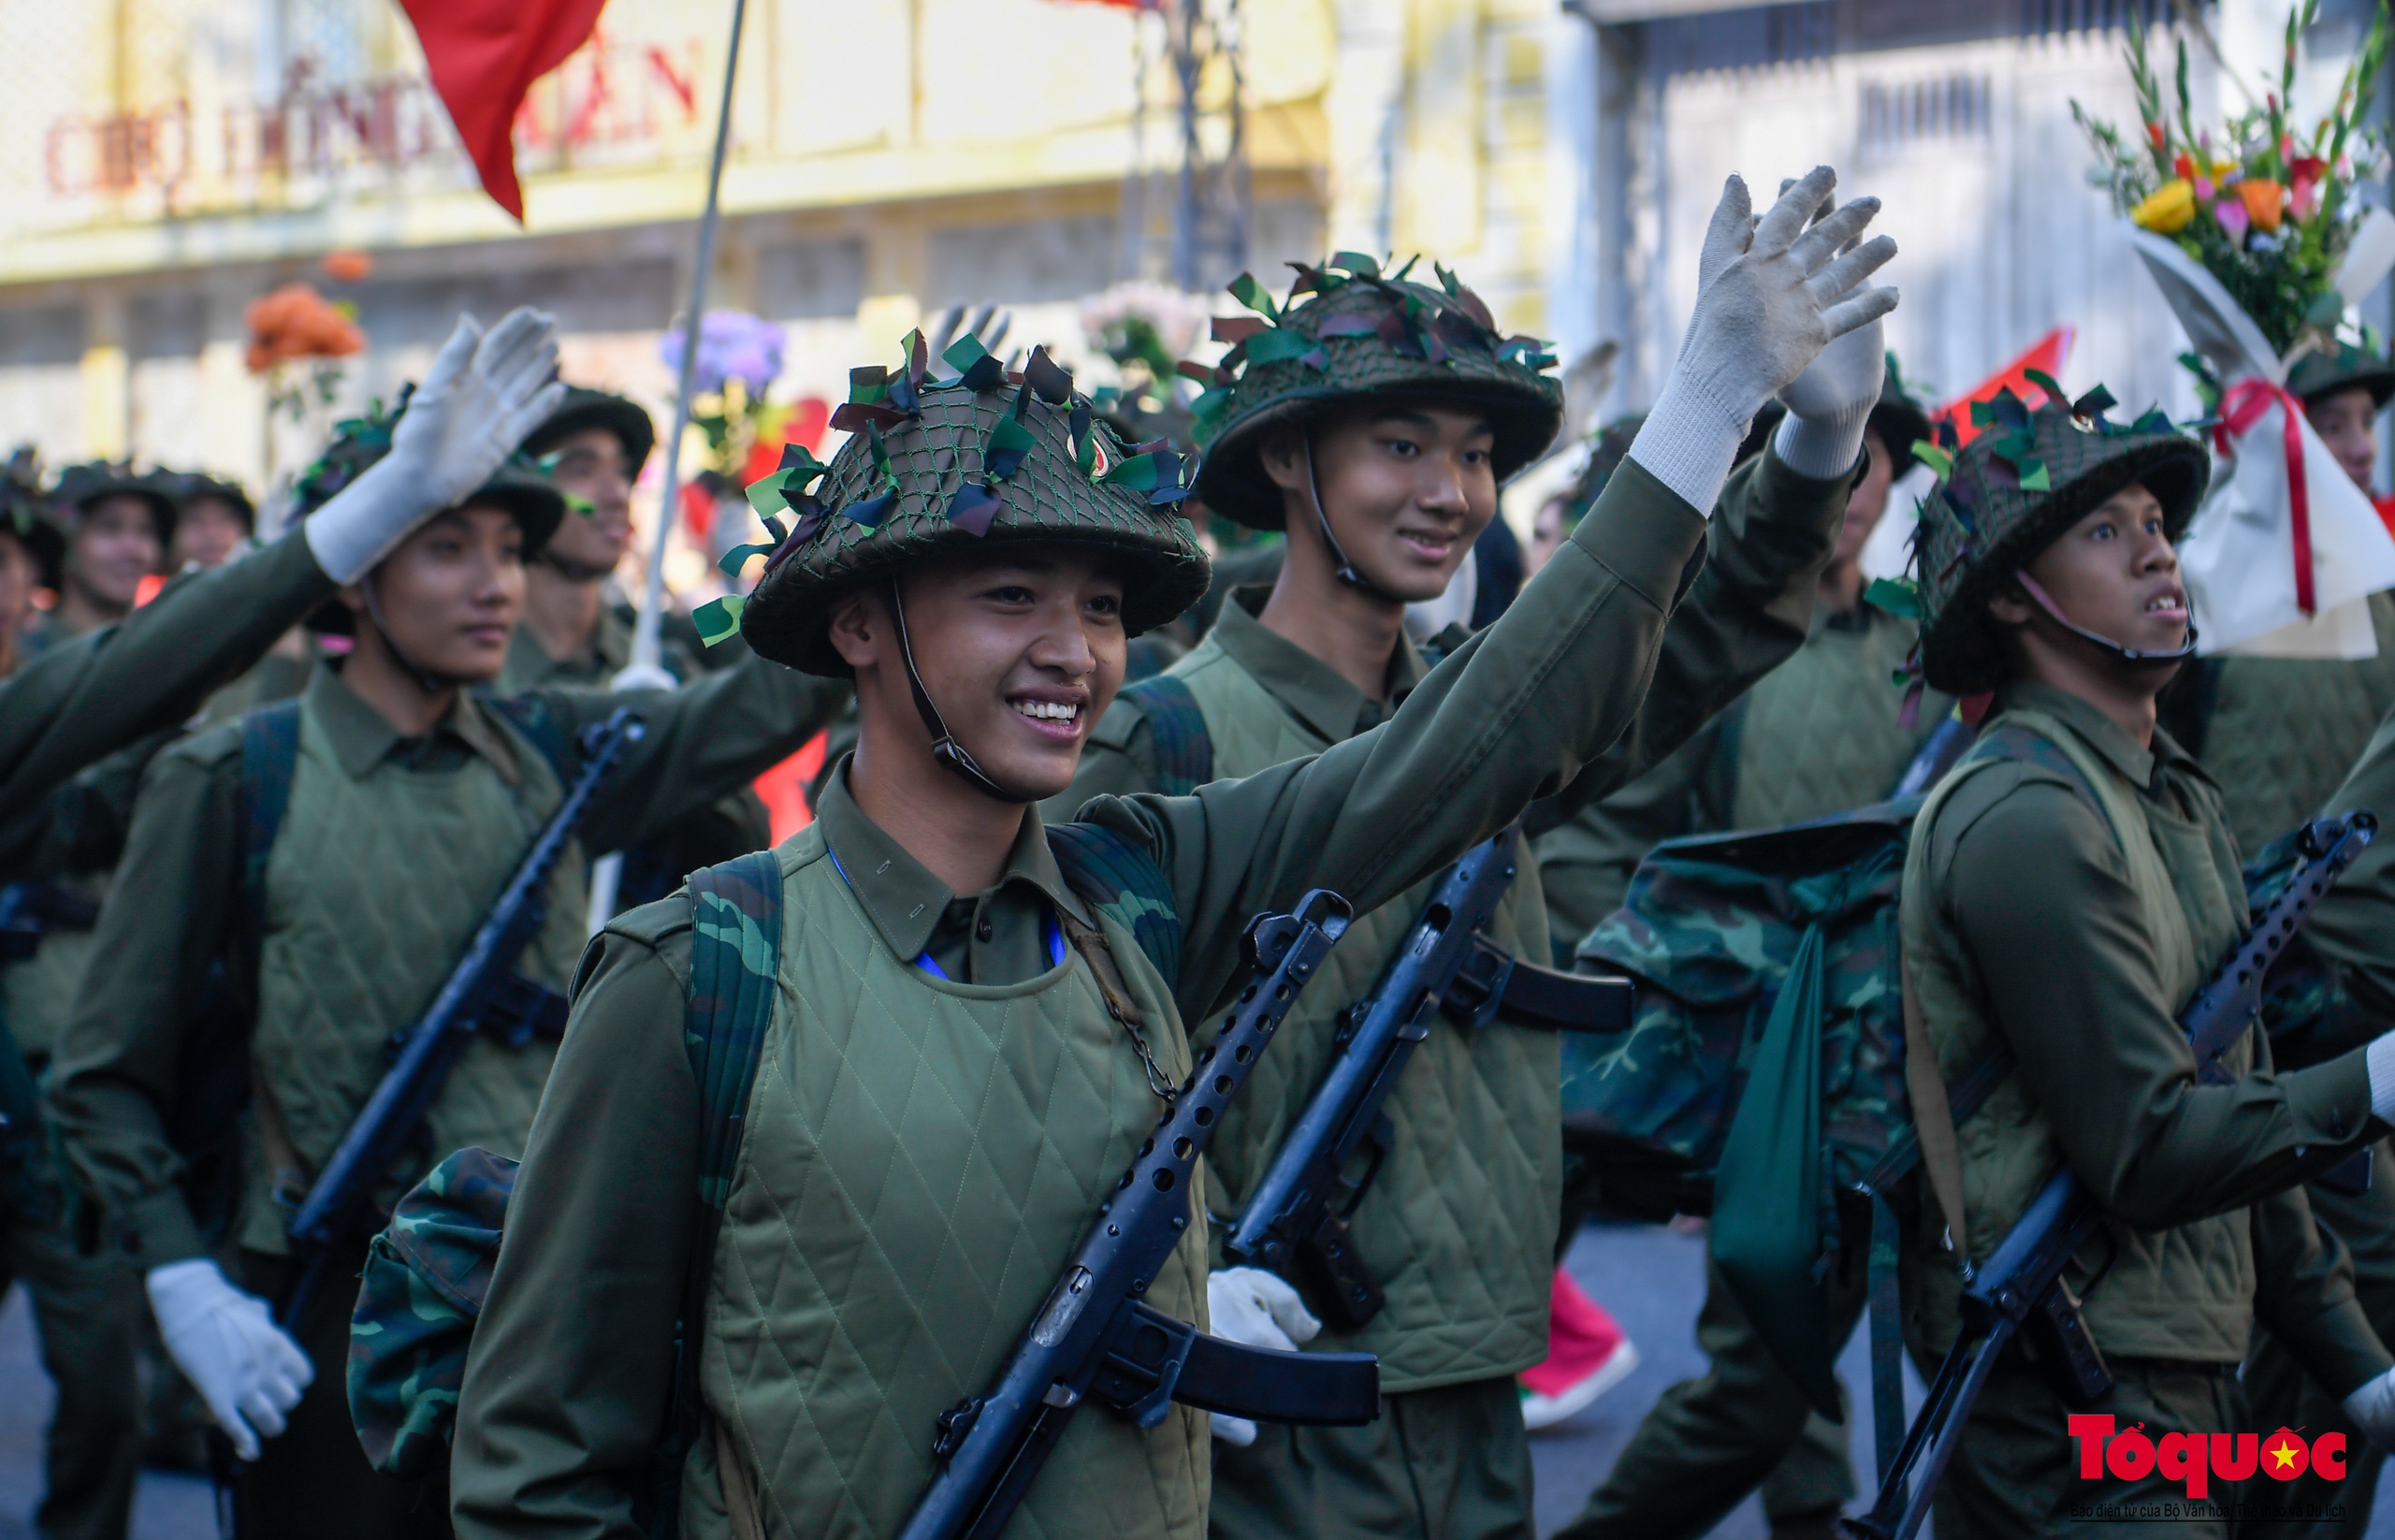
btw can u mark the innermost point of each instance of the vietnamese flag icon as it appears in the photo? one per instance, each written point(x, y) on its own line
point(483, 56)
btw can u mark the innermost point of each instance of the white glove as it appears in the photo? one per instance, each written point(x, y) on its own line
point(1829, 405)
point(2379, 1059)
point(1772, 294)
point(2372, 1409)
point(483, 395)
point(223, 1340)
point(1255, 1309)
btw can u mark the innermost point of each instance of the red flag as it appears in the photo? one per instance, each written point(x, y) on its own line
point(483, 56)
point(2050, 353)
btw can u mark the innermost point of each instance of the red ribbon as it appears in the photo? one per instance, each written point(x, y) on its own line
point(2239, 409)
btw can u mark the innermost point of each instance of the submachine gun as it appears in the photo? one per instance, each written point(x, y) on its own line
point(1299, 1214)
point(2021, 1292)
point(1095, 1337)
point(483, 996)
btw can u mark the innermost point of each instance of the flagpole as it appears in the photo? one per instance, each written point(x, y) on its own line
point(646, 669)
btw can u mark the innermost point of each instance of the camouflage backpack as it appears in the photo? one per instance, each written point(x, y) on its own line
point(428, 1273)
point(1769, 961)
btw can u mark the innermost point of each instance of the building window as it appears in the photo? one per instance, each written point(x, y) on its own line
point(1896, 113)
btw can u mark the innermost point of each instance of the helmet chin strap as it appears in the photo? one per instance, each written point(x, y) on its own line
point(945, 748)
point(1346, 572)
point(432, 681)
point(2136, 656)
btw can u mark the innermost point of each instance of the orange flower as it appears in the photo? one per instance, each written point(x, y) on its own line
point(294, 322)
point(347, 267)
point(2263, 200)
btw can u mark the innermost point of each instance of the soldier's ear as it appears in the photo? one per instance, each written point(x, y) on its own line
point(860, 625)
point(1282, 455)
point(2010, 605)
point(353, 597)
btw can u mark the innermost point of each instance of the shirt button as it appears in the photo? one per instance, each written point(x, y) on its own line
point(982, 931)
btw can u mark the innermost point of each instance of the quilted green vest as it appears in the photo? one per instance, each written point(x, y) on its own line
point(2283, 732)
point(1460, 1227)
point(921, 1158)
point(373, 890)
point(1819, 734)
point(2185, 1293)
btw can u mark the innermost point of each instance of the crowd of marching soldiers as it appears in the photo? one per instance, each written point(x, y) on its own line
point(249, 819)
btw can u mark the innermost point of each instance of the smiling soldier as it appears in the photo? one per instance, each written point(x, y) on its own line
point(1383, 470)
point(963, 1049)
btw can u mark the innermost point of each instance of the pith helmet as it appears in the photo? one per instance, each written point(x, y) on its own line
point(627, 419)
point(1899, 417)
point(1362, 336)
point(359, 441)
point(25, 517)
point(956, 463)
point(79, 486)
point(198, 486)
point(2325, 371)
point(2010, 492)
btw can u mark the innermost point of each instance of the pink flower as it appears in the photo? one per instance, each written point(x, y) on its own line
point(2302, 198)
point(2204, 190)
point(2231, 213)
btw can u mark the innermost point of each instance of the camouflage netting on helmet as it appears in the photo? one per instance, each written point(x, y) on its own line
point(2004, 497)
point(950, 464)
point(1362, 335)
point(2339, 366)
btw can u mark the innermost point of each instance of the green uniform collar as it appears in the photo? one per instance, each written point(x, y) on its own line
point(2102, 734)
point(1309, 688)
point(904, 900)
point(362, 738)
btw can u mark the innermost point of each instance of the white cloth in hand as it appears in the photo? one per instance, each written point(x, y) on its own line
point(484, 392)
point(226, 1344)
point(1772, 294)
point(1255, 1309)
point(2372, 1409)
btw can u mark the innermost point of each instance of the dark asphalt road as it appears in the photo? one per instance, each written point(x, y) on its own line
point(1651, 1279)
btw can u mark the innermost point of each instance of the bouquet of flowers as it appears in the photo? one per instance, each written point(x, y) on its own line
point(2267, 209)
point(2257, 242)
point(740, 356)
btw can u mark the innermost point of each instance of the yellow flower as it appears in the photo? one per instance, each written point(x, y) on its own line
point(2170, 208)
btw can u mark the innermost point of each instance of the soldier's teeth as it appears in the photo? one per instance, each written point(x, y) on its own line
point(1059, 711)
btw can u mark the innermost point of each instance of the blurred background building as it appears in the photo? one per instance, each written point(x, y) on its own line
point(164, 162)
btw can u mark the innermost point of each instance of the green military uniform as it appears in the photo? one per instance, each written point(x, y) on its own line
point(389, 853)
point(2080, 957)
point(2277, 735)
point(2353, 927)
point(79, 702)
point(886, 1246)
point(1459, 1225)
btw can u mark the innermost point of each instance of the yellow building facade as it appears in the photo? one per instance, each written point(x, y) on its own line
point(164, 162)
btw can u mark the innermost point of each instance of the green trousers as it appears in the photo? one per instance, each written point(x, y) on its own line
point(2284, 1396)
point(1446, 1465)
point(87, 1313)
point(314, 1480)
point(2015, 1472)
point(1712, 1440)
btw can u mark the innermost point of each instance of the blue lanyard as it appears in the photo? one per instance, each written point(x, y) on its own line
point(1048, 929)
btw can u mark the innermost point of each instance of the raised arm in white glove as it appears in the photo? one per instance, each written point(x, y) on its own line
point(1771, 296)
point(226, 1344)
point(484, 392)
point(1255, 1309)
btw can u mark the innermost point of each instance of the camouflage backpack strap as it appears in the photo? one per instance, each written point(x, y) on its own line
point(735, 969)
point(1177, 729)
point(1123, 882)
